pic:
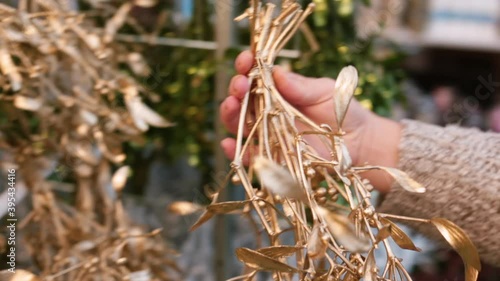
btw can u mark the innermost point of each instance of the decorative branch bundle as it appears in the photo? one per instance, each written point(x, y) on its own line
point(69, 109)
point(300, 191)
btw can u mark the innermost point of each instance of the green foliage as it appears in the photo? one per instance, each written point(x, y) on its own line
point(184, 78)
point(333, 26)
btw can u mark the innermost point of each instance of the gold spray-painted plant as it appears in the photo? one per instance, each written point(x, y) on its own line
point(298, 190)
point(66, 110)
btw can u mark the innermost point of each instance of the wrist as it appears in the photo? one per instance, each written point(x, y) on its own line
point(380, 147)
point(381, 143)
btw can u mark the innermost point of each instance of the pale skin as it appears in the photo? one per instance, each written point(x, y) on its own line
point(370, 139)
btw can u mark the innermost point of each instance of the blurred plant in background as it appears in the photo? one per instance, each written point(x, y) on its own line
point(146, 54)
point(66, 110)
point(184, 76)
point(343, 43)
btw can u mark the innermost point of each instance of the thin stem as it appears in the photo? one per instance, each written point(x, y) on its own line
point(297, 216)
point(255, 227)
point(249, 139)
point(384, 215)
point(296, 25)
point(401, 269)
point(273, 206)
point(368, 229)
point(250, 193)
point(65, 271)
point(241, 124)
point(282, 144)
point(266, 26)
point(241, 277)
point(288, 28)
point(255, 4)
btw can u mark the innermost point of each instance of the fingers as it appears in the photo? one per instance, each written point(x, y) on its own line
point(307, 94)
point(230, 107)
point(228, 145)
point(297, 89)
point(303, 91)
point(229, 113)
point(238, 86)
point(244, 62)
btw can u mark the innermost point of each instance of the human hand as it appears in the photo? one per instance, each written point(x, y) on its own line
point(367, 135)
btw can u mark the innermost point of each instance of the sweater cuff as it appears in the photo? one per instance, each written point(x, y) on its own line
point(461, 170)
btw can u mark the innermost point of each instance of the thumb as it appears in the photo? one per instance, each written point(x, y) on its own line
point(300, 90)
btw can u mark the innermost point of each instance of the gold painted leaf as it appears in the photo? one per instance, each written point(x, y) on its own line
point(461, 242)
point(142, 115)
point(383, 233)
point(119, 178)
point(404, 180)
point(471, 273)
point(345, 86)
point(9, 69)
point(207, 215)
point(19, 275)
point(399, 236)
point(85, 245)
point(93, 41)
point(278, 179)
point(146, 3)
point(184, 208)
point(140, 275)
point(137, 63)
point(343, 156)
point(370, 267)
point(27, 103)
point(116, 22)
point(83, 151)
point(279, 251)
point(256, 260)
point(344, 231)
point(101, 144)
point(317, 244)
point(88, 117)
point(226, 207)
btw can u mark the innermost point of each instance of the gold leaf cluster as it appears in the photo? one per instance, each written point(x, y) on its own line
point(69, 108)
point(290, 187)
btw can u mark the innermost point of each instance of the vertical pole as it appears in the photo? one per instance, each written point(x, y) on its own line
point(224, 38)
point(496, 75)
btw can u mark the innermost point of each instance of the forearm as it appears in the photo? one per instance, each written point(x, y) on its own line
point(380, 148)
point(461, 170)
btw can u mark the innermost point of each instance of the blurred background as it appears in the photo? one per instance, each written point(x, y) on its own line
point(433, 60)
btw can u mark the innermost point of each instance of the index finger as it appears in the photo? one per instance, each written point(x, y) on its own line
point(244, 62)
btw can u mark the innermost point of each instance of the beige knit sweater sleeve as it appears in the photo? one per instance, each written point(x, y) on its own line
point(461, 170)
